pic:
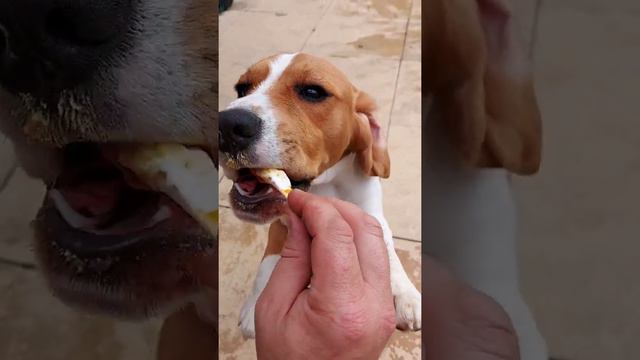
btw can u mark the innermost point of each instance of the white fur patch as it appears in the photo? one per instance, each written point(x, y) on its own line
point(247, 314)
point(268, 147)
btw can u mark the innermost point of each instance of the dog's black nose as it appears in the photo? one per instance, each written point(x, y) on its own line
point(52, 45)
point(237, 129)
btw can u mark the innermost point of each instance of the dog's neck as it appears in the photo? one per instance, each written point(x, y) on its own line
point(469, 216)
point(346, 181)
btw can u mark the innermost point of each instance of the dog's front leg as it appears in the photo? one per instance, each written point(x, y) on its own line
point(470, 225)
point(277, 236)
point(407, 299)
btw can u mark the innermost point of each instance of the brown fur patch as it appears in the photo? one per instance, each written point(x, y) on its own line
point(481, 84)
point(315, 135)
point(277, 236)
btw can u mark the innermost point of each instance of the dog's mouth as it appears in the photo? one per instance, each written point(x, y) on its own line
point(97, 195)
point(254, 199)
point(110, 243)
point(254, 189)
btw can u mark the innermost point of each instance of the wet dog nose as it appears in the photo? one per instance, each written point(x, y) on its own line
point(237, 130)
point(51, 45)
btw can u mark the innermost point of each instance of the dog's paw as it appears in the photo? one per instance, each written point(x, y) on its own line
point(408, 304)
point(247, 321)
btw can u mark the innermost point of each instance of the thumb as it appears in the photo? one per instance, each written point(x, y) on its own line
point(293, 272)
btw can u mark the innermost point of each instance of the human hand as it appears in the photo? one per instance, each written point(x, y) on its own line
point(329, 297)
point(463, 323)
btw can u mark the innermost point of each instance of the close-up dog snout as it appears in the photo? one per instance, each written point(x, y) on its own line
point(238, 129)
point(47, 46)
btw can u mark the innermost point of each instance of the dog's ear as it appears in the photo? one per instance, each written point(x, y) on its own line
point(370, 143)
point(481, 85)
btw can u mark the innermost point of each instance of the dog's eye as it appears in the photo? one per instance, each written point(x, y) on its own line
point(312, 93)
point(243, 89)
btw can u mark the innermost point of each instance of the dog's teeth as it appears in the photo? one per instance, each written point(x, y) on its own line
point(240, 190)
point(276, 178)
point(69, 215)
point(187, 175)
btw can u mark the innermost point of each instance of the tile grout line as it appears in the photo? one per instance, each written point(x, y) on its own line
point(315, 27)
point(395, 89)
point(5, 181)
point(17, 263)
point(407, 239)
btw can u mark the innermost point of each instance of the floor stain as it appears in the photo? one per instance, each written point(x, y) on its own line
point(379, 44)
point(391, 8)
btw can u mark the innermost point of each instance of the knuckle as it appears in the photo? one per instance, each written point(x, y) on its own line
point(353, 323)
point(340, 230)
point(486, 328)
point(263, 304)
point(388, 320)
point(373, 226)
point(291, 252)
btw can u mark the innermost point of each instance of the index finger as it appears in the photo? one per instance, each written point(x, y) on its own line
point(334, 258)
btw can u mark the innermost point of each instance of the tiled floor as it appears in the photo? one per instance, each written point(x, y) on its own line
point(377, 44)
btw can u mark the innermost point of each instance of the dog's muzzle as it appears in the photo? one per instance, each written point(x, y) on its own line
point(47, 46)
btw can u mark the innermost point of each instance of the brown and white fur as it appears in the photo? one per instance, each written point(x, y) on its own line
point(481, 124)
point(151, 78)
point(328, 138)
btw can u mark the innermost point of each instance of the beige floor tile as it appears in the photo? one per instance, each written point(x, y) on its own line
point(369, 27)
point(246, 37)
point(579, 216)
point(407, 107)
point(282, 6)
point(225, 187)
point(413, 43)
point(36, 326)
point(19, 203)
point(241, 248)
point(230, 72)
point(402, 191)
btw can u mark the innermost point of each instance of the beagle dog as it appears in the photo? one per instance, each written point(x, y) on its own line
point(300, 114)
point(482, 123)
point(77, 77)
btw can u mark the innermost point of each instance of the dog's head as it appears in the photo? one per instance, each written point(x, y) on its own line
point(297, 113)
point(80, 76)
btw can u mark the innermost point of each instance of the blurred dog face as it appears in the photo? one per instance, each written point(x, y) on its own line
point(79, 76)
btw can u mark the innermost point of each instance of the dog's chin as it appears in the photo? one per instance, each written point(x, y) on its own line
point(261, 210)
point(152, 272)
point(262, 203)
point(107, 243)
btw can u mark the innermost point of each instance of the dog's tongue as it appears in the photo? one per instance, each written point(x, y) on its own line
point(248, 185)
point(94, 198)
